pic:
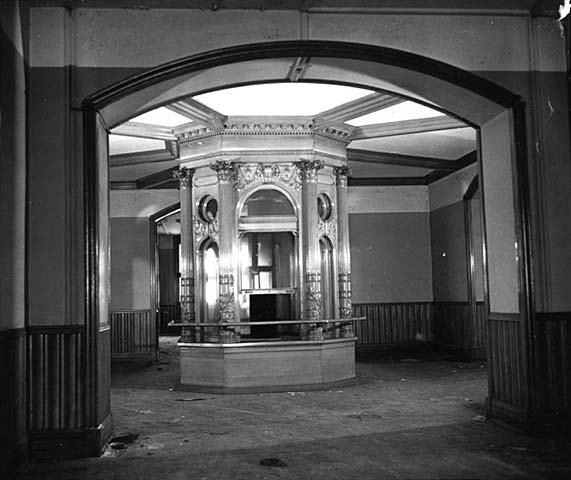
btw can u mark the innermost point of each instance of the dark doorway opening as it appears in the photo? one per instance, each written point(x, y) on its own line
point(269, 307)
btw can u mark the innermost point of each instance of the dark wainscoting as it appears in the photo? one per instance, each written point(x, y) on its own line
point(394, 323)
point(133, 334)
point(455, 329)
point(13, 439)
point(56, 386)
point(553, 370)
point(506, 370)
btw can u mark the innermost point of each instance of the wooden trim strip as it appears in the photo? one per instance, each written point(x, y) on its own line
point(55, 329)
point(504, 317)
point(13, 333)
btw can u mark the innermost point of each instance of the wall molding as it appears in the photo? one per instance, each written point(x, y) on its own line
point(504, 317)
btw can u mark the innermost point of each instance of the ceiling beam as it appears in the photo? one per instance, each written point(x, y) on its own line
point(156, 179)
point(357, 108)
point(138, 158)
point(378, 158)
point(405, 127)
point(122, 185)
point(198, 112)
point(298, 68)
point(144, 130)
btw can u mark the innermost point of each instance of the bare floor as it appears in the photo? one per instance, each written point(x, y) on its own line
point(409, 416)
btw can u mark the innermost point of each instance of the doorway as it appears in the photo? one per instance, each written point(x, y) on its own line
point(502, 186)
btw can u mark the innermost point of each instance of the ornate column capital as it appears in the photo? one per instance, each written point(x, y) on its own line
point(309, 169)
point(342, 174)
point(224, 170)
point(184, 176)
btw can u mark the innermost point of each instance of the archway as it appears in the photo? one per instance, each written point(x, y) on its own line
point(499, 115)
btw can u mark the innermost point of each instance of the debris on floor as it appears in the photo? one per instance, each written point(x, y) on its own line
point(272, 462)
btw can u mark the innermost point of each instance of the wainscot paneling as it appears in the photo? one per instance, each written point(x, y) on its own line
point(394, 323)
point(133, 334)
point(479, 332)
point(456, 329)
point(13, 439)
point(55, 368)
point(56, 376)
point(553, 370)
point(506, 369)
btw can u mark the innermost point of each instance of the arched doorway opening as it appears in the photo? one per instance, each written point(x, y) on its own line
point(497, 113)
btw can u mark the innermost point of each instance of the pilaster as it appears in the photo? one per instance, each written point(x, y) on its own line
point(312, 272)
point(344, 249)
point(226, 174)
point(187, 294)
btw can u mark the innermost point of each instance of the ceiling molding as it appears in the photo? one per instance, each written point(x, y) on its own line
point(427, 179)
point(366, 156)
point(405, 127)
point(138, 158)
point(144, 130)
point(357, 108)
point(199, 113)
point(385, 181)
point(461, 163)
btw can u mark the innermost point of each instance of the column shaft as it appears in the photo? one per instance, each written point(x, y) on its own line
point(344, 250)
point(187, 294)
point(311, 261)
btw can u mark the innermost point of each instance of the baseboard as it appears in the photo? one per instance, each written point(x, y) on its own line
point(550, 424)
point(265, 389)
point(509, 416)
point(67, 444)
point(135, 357)
point(13, 459)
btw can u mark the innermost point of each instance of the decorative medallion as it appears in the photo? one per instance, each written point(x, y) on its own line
point(285, 173)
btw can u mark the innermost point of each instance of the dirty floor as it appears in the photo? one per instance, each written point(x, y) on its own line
point(411, 415)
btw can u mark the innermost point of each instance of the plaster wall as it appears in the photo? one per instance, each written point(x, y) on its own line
point(140, 203)
point(130, 244)
point(130, 264)
point(449, 274)
point(13, 175)
point(106, 45)
point(390, 257)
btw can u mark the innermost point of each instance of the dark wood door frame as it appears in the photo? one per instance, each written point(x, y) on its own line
point(154, 254)
point(512, 103)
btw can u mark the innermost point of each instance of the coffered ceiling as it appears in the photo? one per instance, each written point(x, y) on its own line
point(392, 140)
